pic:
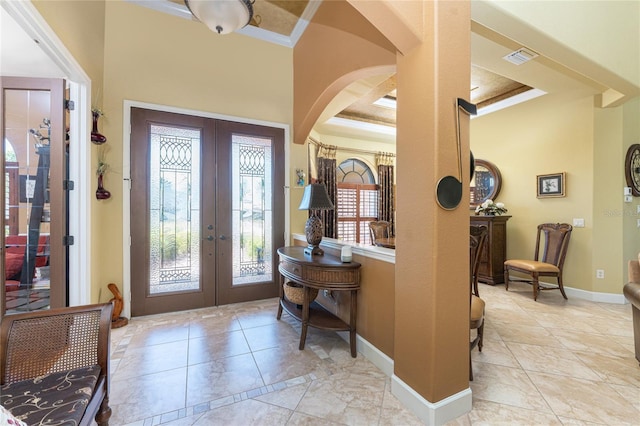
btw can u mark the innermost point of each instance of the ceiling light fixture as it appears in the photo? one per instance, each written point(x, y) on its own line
point(222, 16)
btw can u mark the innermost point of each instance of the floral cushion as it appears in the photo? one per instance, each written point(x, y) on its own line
point(55, 399)
point(6, 418)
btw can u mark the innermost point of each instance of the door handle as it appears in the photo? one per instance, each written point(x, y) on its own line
point(210, 238)
point(222, 237)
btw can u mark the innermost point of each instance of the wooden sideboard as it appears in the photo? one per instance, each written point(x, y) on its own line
point(491, 269)
point(324, 272)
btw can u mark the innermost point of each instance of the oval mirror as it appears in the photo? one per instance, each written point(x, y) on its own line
point(485, 183)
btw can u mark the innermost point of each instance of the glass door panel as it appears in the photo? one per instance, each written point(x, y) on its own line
point(174, 210)
point(252, 210)
point(34, 167)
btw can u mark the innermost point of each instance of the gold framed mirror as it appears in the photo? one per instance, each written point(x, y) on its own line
point(485, 184)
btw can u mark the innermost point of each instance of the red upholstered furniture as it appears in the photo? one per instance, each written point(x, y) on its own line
point(14, 258)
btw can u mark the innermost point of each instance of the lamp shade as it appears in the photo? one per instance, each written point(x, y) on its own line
point(315, 197)
point(222, 16)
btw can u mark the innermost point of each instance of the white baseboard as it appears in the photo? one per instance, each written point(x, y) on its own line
point(595, 296)
point(431, 413)
point(592, 296)
point(370, 352)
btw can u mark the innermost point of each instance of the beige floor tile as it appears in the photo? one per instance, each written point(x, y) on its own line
point(494, 352)
point(216, 346)
point(534, 335)
point(279, 364)
point(629, 393)
point(223, 377)
point(613, 369)
point(146, 396)
point(346, 398)
point(272, 335)
point(256, 318)
point(286, 398)
point(508, 386)
point(581, 341)
point(494, 414)
point(551, 360)
point(211, 324)
point(247, 412)
point(300, 419)
point(161, 333)
point(584, 400)
point(244, 368)
point(394, 413)
point(138, 361)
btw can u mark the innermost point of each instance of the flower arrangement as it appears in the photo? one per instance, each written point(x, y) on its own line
point(491, 208)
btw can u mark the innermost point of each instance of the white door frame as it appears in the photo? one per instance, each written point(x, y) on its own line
point(79, 83)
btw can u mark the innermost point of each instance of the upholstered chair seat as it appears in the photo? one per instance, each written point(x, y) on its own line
point(552, 242)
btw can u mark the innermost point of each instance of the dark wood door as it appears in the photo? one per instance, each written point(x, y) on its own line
point(206, 217)
point(35, 206)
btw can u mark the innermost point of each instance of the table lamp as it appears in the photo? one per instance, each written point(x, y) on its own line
point(315, 198)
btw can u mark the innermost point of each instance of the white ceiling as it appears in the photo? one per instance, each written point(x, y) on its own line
point(20, 56)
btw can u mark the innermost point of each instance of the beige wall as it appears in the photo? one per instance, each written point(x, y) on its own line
point(553, 134)
point(630, 231)
point(185, 67)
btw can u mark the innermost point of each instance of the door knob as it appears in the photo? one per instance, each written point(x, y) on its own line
point(222, 237)
point(210, 238)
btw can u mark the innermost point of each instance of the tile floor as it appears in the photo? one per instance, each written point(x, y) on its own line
point(546, 362)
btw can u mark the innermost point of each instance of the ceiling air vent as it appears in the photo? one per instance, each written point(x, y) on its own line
point(520, 56)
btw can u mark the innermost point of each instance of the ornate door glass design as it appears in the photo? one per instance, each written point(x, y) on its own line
point(252, 209)
point(174, 216)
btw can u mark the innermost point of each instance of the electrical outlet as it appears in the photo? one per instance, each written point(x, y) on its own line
point(638, 208)
point(599, 273)
point(578, 223)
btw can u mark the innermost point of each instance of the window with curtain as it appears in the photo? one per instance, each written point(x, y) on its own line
point(357, 201)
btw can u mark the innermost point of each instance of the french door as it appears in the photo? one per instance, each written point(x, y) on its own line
point(207, 211)
point(35, 202)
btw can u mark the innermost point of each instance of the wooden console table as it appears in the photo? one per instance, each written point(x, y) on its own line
point(325, 272)
point(494, 253)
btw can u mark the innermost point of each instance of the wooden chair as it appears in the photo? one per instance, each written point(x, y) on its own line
point(477, 237)
point(379, 229)
point(40, 350)
point(549, 264)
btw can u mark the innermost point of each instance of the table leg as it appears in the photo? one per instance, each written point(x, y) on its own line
point(281, 292)
point(352, 322)
point(305, 317)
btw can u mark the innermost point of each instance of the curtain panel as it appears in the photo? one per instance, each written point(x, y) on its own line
point(386, 192)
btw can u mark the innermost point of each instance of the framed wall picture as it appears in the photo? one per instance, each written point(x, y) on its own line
point(552, 185)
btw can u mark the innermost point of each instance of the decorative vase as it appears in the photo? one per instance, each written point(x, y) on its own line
point(97, 137)
point(101, 193)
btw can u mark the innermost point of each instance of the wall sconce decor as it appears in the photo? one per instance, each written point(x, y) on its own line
point(222, 16)
point(315, 198)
